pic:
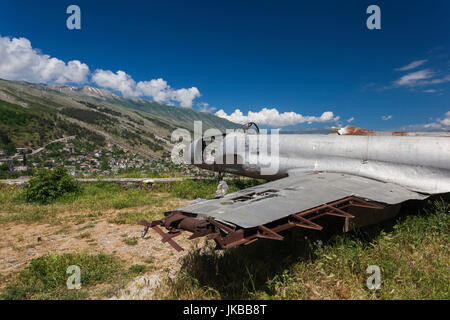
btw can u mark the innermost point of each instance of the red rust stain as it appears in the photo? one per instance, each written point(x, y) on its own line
point(355, 131)
point(395, 133)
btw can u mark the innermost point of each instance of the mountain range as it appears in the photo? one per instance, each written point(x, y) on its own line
point(31, 115)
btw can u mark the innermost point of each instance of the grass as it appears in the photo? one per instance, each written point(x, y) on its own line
point(93, 199)
point(412, 253)
point(193, 189)
point(130, 241)
point(96, 198)
point(138, 269)
point(136, 216)
point(15, 208)
point(188, 189)
point(150, 260)
point(101, 196)
point(45, 277)
point(89, 225)
point(84, 235)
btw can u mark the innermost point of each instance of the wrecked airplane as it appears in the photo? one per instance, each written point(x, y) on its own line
point(358, 175)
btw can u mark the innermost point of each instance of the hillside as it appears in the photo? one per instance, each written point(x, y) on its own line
point(97, 229)
point(31, 115)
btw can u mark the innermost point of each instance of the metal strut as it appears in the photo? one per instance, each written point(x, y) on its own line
point(227, 236)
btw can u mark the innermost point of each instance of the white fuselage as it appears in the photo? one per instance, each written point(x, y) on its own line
point(419, 163)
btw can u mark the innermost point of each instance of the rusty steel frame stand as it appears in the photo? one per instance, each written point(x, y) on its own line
point(227, 236)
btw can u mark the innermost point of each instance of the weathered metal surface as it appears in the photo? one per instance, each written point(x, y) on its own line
point(352, 130)
point(277, 199)
point(316, 176)
point(229, 236)
point(418, 163)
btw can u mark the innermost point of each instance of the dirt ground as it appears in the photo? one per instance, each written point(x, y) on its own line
point(19, 243)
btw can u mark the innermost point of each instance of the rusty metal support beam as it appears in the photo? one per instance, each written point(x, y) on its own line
point(366, 204)
point(269, 234)
point(227, 237)
point(338, 212)
point(168, 238)
point(235, 243)
point(221, 226)
point(306, 223)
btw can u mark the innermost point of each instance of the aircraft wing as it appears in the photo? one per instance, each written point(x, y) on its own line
point(262, 211)
point(274, 200)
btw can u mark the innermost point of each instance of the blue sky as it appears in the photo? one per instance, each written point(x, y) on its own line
point(305, 57)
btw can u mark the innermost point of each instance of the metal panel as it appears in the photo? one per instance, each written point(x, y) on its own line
point(274, 200)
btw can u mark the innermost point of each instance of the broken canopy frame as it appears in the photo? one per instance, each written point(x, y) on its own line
point(228, 236)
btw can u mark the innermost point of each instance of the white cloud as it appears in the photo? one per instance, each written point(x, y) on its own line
point(389, 117)
point(412, 65)
point(421, 78)
point(350, 120)
point(204, 107)
point(441, 124)
point(119, 81)
point(185, 96)
point(273, 118)
point(446, 121)
point(160, 91)
point(436, 81)
point(157, 89)
point(19, 61)
point(414, 78)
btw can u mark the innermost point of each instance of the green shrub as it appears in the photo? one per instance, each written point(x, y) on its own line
point(49, 185)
